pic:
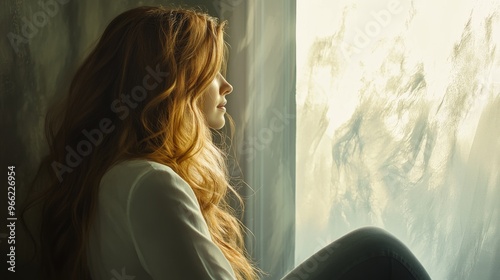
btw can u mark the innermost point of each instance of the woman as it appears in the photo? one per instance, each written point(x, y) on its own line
point(136, 186)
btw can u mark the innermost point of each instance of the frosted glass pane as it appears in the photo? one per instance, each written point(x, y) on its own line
point(398, 126)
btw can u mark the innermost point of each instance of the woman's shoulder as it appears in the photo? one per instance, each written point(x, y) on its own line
point(134, 169)
point(127, 176)
point(139, 164)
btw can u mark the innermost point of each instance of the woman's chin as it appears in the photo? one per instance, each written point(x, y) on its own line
point(218, 124)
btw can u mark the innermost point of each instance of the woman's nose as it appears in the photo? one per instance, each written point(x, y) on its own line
point(226, 88)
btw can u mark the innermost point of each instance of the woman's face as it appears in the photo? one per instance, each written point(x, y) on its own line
point(214, 101)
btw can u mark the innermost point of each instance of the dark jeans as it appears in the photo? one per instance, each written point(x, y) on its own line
point(366, 253)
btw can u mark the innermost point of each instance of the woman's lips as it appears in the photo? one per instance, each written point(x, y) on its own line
point(222, 105)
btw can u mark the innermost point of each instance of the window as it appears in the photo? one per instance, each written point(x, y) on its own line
point(398, 126)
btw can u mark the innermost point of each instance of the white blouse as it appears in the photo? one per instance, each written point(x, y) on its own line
point(149, 226)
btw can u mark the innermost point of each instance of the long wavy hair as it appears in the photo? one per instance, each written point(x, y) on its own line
point(136, 95)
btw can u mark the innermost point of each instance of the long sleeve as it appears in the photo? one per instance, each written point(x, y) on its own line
point(169, 232)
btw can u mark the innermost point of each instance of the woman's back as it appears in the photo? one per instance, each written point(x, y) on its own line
point(149, 225)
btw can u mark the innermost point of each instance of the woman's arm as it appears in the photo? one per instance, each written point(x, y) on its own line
point(169, 232)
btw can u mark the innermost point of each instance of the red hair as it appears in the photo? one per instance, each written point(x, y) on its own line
point(137, 95)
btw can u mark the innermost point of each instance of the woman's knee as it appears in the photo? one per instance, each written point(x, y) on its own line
point(355, 249)
point(371, 241)
point(371, 231)
point(366, 242)
point(373, 236)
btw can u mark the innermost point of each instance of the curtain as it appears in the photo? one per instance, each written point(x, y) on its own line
point(398, 126)
point(262, 71)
